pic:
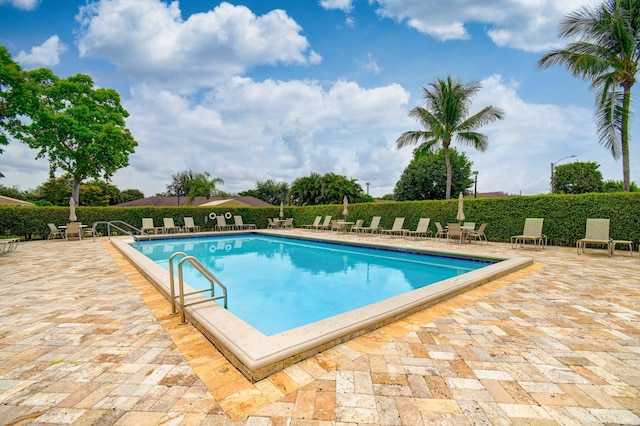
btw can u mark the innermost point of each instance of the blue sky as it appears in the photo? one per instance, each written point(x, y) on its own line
point(257, 90)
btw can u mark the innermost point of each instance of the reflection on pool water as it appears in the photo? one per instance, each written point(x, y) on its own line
point(277, 284)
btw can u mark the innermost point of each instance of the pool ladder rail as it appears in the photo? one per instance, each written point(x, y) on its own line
point(213, 281)
point(121, 226)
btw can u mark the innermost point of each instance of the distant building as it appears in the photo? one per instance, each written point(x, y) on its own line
point(233, 201)
point(8, 201)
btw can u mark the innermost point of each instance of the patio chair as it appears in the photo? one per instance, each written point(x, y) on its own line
point(597, 234)
point(54, 231)
point(315, 223)
point(90, 231)
point(532, 232)
point(170, 226)
point(421, 230)
point(74, 230)
point(149, 227)
point(471, 226)
point(221, 224)
point(479, 233)
point(8, 245)
point(239, 223)
point(189, 226)
point(288, 223)
point(396, 229)
point(374, 226)
point(440, 231)
point(357, 227)
point(326, 224)
point(454, 230)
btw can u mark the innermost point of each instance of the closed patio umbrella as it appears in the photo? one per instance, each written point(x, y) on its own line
point(281, 209)
point(345, 210)
point(72, 210)
point(460, 216)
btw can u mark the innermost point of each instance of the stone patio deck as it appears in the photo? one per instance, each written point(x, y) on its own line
point(85, 339)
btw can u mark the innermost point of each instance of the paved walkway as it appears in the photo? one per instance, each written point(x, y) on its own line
point(84, 339)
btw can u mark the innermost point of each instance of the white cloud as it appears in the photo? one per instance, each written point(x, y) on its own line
point(247, 131)
point(344, 5)
point(45, 55)
point(522, 24)
point(150, 38)
point(22, 4)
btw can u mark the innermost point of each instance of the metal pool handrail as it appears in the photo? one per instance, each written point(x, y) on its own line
point(205, 273)
point(113, 223)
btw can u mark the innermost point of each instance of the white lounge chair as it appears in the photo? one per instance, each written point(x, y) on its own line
point(421, 230)
point(149, 227)
point(532, 232)
point(221, 224)
point(170, 226)
point(357, 227)
point(597, 234)
point(374, 226)
point(315, 224)
point(239, 223)
point(189, 226)
point(396, 229)
point(440, 231)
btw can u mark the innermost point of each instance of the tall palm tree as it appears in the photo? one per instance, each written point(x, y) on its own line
point(446, 117)
point(203, 185)
point(606, 53)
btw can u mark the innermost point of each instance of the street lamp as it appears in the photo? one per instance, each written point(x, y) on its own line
point(475, 183)
point(553, 168)
point(368, 183)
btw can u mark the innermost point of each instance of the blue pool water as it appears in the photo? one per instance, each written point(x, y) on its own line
point(277, 284)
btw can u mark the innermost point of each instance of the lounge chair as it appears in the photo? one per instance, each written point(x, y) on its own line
point(170, 226)
point(357, 227)
point(374, 226)
point(532, 232)
point(396, 229)
point(421, 230)
point(326, 224)
point(221, 224)
point(597, 234)
point(454, 230)
point(239, 223)
point(8, 245)
point(74, 230)
point(189, 226)
point(479, 233)
point(315, 223)
point(54, 231)
point(149, 227)
point(440, 231)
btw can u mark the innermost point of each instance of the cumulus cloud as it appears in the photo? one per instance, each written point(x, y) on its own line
point(526, 25)
point(45, 55)
point(21, 4)
point(151, 39)
point(247, 131)
point(344, 5)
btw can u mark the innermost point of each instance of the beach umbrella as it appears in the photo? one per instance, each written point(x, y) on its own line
point(460, 216)
point(281, 209)
point(345, 210)
point(72, 210)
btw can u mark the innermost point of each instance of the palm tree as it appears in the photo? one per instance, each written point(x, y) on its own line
point(203, 185)
point(606, 53)
point(446, 117)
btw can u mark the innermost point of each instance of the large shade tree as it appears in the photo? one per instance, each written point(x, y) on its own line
point(446, 117)
point(605, 52)
point(78, 128)
point(425, 176)
point(330, 188)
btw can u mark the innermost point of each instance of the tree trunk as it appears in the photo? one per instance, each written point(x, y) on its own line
point(626, 102)
point(75, 192)
point(449, 171)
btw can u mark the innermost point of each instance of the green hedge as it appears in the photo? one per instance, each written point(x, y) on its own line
point(564, 215)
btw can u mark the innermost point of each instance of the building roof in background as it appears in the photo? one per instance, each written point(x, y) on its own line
point(244, 201)
point(8, 201)
point(229, 202)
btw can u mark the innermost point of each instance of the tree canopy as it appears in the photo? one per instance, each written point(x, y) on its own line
point(446, 117)
point(425, 176)
point(193, 184)
point(327, 189)
point(78, 128)
point(577, 178)
point(605, 51)
point(269, 191)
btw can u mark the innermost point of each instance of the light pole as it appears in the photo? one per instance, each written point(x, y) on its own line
point(368, 183)
point(553, 168)
point(475, 183)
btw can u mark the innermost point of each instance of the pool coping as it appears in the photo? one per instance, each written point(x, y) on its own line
point(258, 356)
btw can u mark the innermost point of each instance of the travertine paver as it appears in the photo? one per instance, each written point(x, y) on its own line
point(84, 339)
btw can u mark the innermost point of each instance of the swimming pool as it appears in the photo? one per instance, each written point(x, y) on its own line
point(277, 284)
point(257, 355)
